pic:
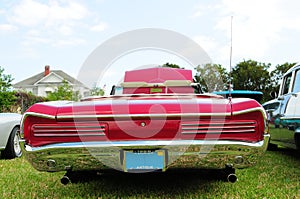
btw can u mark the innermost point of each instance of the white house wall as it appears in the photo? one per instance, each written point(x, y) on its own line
point(50, 83)
point(51, 78)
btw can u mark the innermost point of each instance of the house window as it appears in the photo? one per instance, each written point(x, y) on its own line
point(35, 91)
point(48, 90)
point(86, 93)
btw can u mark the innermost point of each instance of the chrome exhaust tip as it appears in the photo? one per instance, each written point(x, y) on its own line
point(51, 163)
point(65, 180)
point(232, 178)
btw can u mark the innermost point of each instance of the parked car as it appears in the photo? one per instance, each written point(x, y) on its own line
point(153, 121)
point(284, 111)
point(9, 141)
point(257, 95)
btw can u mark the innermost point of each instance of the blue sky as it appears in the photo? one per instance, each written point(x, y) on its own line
point(62, 33)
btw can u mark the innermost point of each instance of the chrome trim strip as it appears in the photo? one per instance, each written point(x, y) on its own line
point(201, 123)
point(103, 144)
point(261, 109)
point(290, 118)
point(180, 154)
point(67, 127)
point(38, 130)
point(216, 127)
point(121, 116)
point(126, 116)
point(26, 114)
point(38, 115)
point(67, 134)
point(217, 132)
point(160, 95)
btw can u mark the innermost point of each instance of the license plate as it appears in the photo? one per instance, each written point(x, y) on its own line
point(137, 161)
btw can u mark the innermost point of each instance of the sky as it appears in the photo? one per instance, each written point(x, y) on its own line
point(64, 33)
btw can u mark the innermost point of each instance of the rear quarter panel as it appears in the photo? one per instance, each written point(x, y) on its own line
point(7, 122)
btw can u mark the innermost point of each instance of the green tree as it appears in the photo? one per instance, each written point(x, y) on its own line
point(7, 97)
point(171, 65)
point(97, 91)
point(252, 75)
point(5, 81)
point(212, 77)
point(277, 74)
point(64, 92)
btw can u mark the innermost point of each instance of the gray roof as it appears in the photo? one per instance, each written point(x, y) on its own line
point(32, 80)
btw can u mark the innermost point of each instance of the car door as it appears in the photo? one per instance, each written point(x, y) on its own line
point(283, 134)
point(293, 109)
point(291, 118)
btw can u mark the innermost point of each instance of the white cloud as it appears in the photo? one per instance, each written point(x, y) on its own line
point(69, 42)
point(7, 28)
point(34, 32)
point(33, 13)
point(49, 21)
point(258, 26)
point(99, 27)
point(207, 43)
point(30, 40)
point(29, 13)
point(218, 52)
point(65, 30)
point(202, 9)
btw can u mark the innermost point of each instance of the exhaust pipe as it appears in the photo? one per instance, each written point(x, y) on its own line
point(232, 178)
point(65, 180)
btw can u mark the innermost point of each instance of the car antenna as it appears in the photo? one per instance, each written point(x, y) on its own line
point(230, 87)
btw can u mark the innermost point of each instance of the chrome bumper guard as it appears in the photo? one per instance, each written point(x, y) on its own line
point(179, 154)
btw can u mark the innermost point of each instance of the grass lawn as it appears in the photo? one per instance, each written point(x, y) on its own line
point(277, 175)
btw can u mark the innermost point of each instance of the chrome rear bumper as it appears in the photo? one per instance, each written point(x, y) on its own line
point(179, 154)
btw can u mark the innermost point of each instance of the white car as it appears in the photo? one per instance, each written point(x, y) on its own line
point(9, 135)
point(284, 112)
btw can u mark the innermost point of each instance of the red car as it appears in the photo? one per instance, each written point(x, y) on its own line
point(155, 120)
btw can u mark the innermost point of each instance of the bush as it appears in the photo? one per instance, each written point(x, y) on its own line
point(24, 100)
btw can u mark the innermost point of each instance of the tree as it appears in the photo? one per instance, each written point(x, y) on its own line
point(7, 97)
point(252, 75)
point(97, 91)
point(64, 92)
point(171, 65)
point(277, 74)
point(212, 77)
point(5, 81)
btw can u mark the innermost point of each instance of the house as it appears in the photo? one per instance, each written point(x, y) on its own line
point(48, 81)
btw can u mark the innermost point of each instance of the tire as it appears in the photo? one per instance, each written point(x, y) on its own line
point(13, 148)
point(297, 141)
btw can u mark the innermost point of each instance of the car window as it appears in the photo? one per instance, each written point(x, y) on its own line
point(272, 106)
point(286, 85)
point(296, 87)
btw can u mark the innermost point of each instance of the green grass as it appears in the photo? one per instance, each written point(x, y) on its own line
point(277, 175)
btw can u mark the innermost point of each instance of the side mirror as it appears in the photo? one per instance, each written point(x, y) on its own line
point(273, 94)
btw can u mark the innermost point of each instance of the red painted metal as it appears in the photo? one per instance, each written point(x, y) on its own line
point(146, 116)
point(158, 75)
point(140, 118)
